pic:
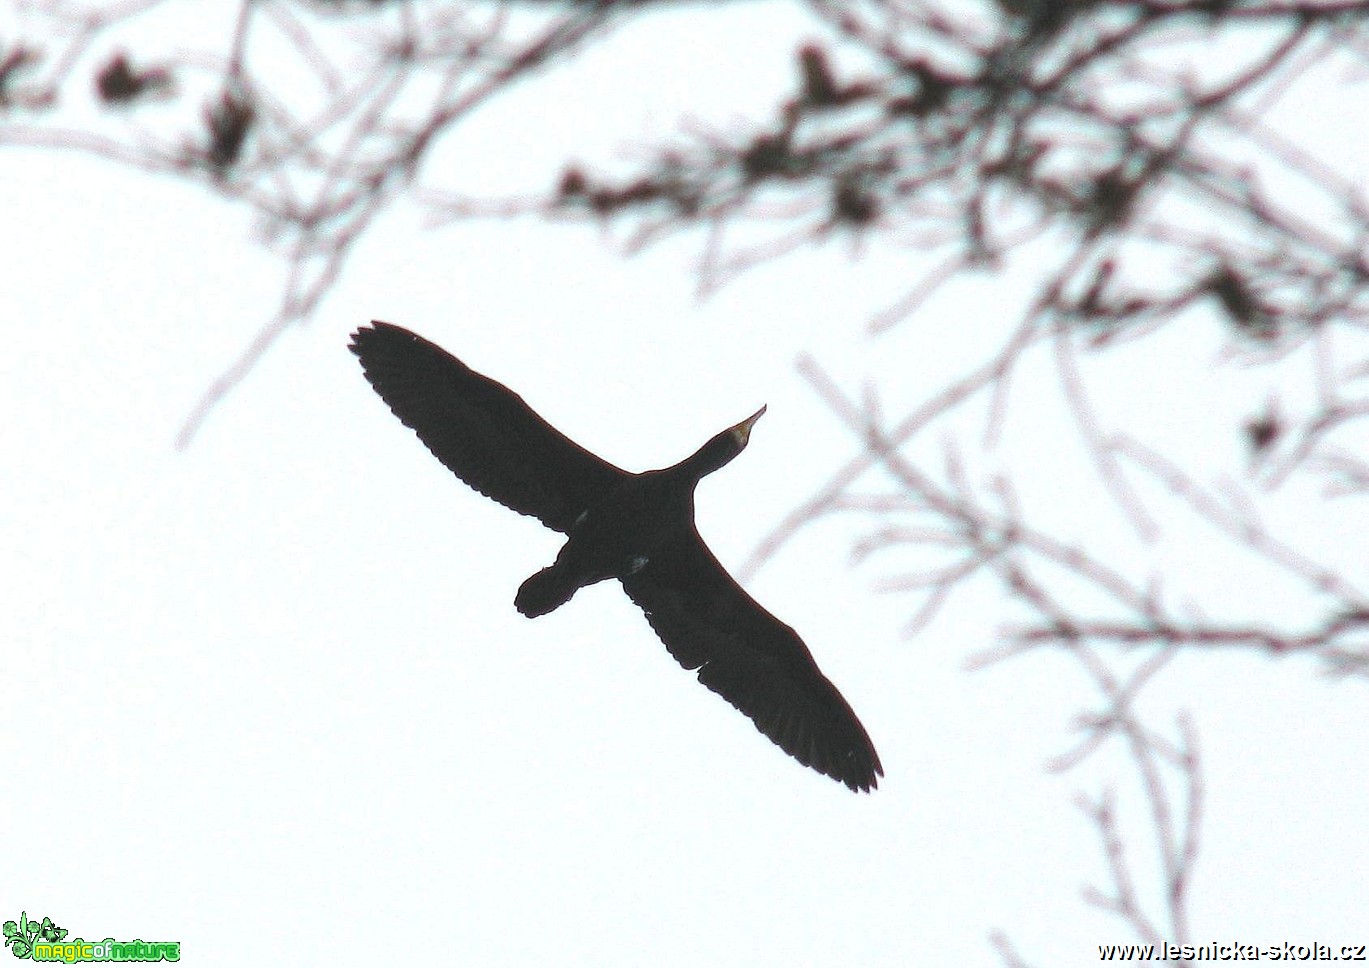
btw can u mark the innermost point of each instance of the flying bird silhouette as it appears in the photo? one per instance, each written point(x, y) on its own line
point(637, 528)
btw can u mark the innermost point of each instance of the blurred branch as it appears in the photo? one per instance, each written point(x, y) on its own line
point(1134, 135)
point(316, 117)
point(1138, 143)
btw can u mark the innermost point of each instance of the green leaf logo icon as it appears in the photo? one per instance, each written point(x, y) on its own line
point(20, 936)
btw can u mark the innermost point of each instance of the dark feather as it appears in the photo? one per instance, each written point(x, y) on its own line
point(753, 660)
point(481, 430)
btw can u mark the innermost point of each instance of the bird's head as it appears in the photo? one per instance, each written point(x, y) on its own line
point(722, 448)
point(741, 433)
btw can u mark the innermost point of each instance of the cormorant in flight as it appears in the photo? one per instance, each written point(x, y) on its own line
point(637, 528)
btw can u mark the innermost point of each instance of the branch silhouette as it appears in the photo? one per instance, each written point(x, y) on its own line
point(1135, 149)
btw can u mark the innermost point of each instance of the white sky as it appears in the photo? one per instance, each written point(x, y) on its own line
point(269, 697)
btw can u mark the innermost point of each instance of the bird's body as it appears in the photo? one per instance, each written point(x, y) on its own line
point(637, 528)
point(641, 518)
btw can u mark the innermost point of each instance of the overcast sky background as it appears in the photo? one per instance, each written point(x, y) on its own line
point(269, 696)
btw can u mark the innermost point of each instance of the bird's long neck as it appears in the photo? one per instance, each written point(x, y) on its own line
point(705, 460)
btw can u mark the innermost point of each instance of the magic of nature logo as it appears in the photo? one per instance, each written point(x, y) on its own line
point(45, 941)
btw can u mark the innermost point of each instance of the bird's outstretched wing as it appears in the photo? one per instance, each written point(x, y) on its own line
point(480, 429)
point(753, 660)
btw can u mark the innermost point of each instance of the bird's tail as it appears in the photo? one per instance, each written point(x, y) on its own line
point(544, 592)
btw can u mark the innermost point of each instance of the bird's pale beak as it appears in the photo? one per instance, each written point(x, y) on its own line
point(743, 430)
